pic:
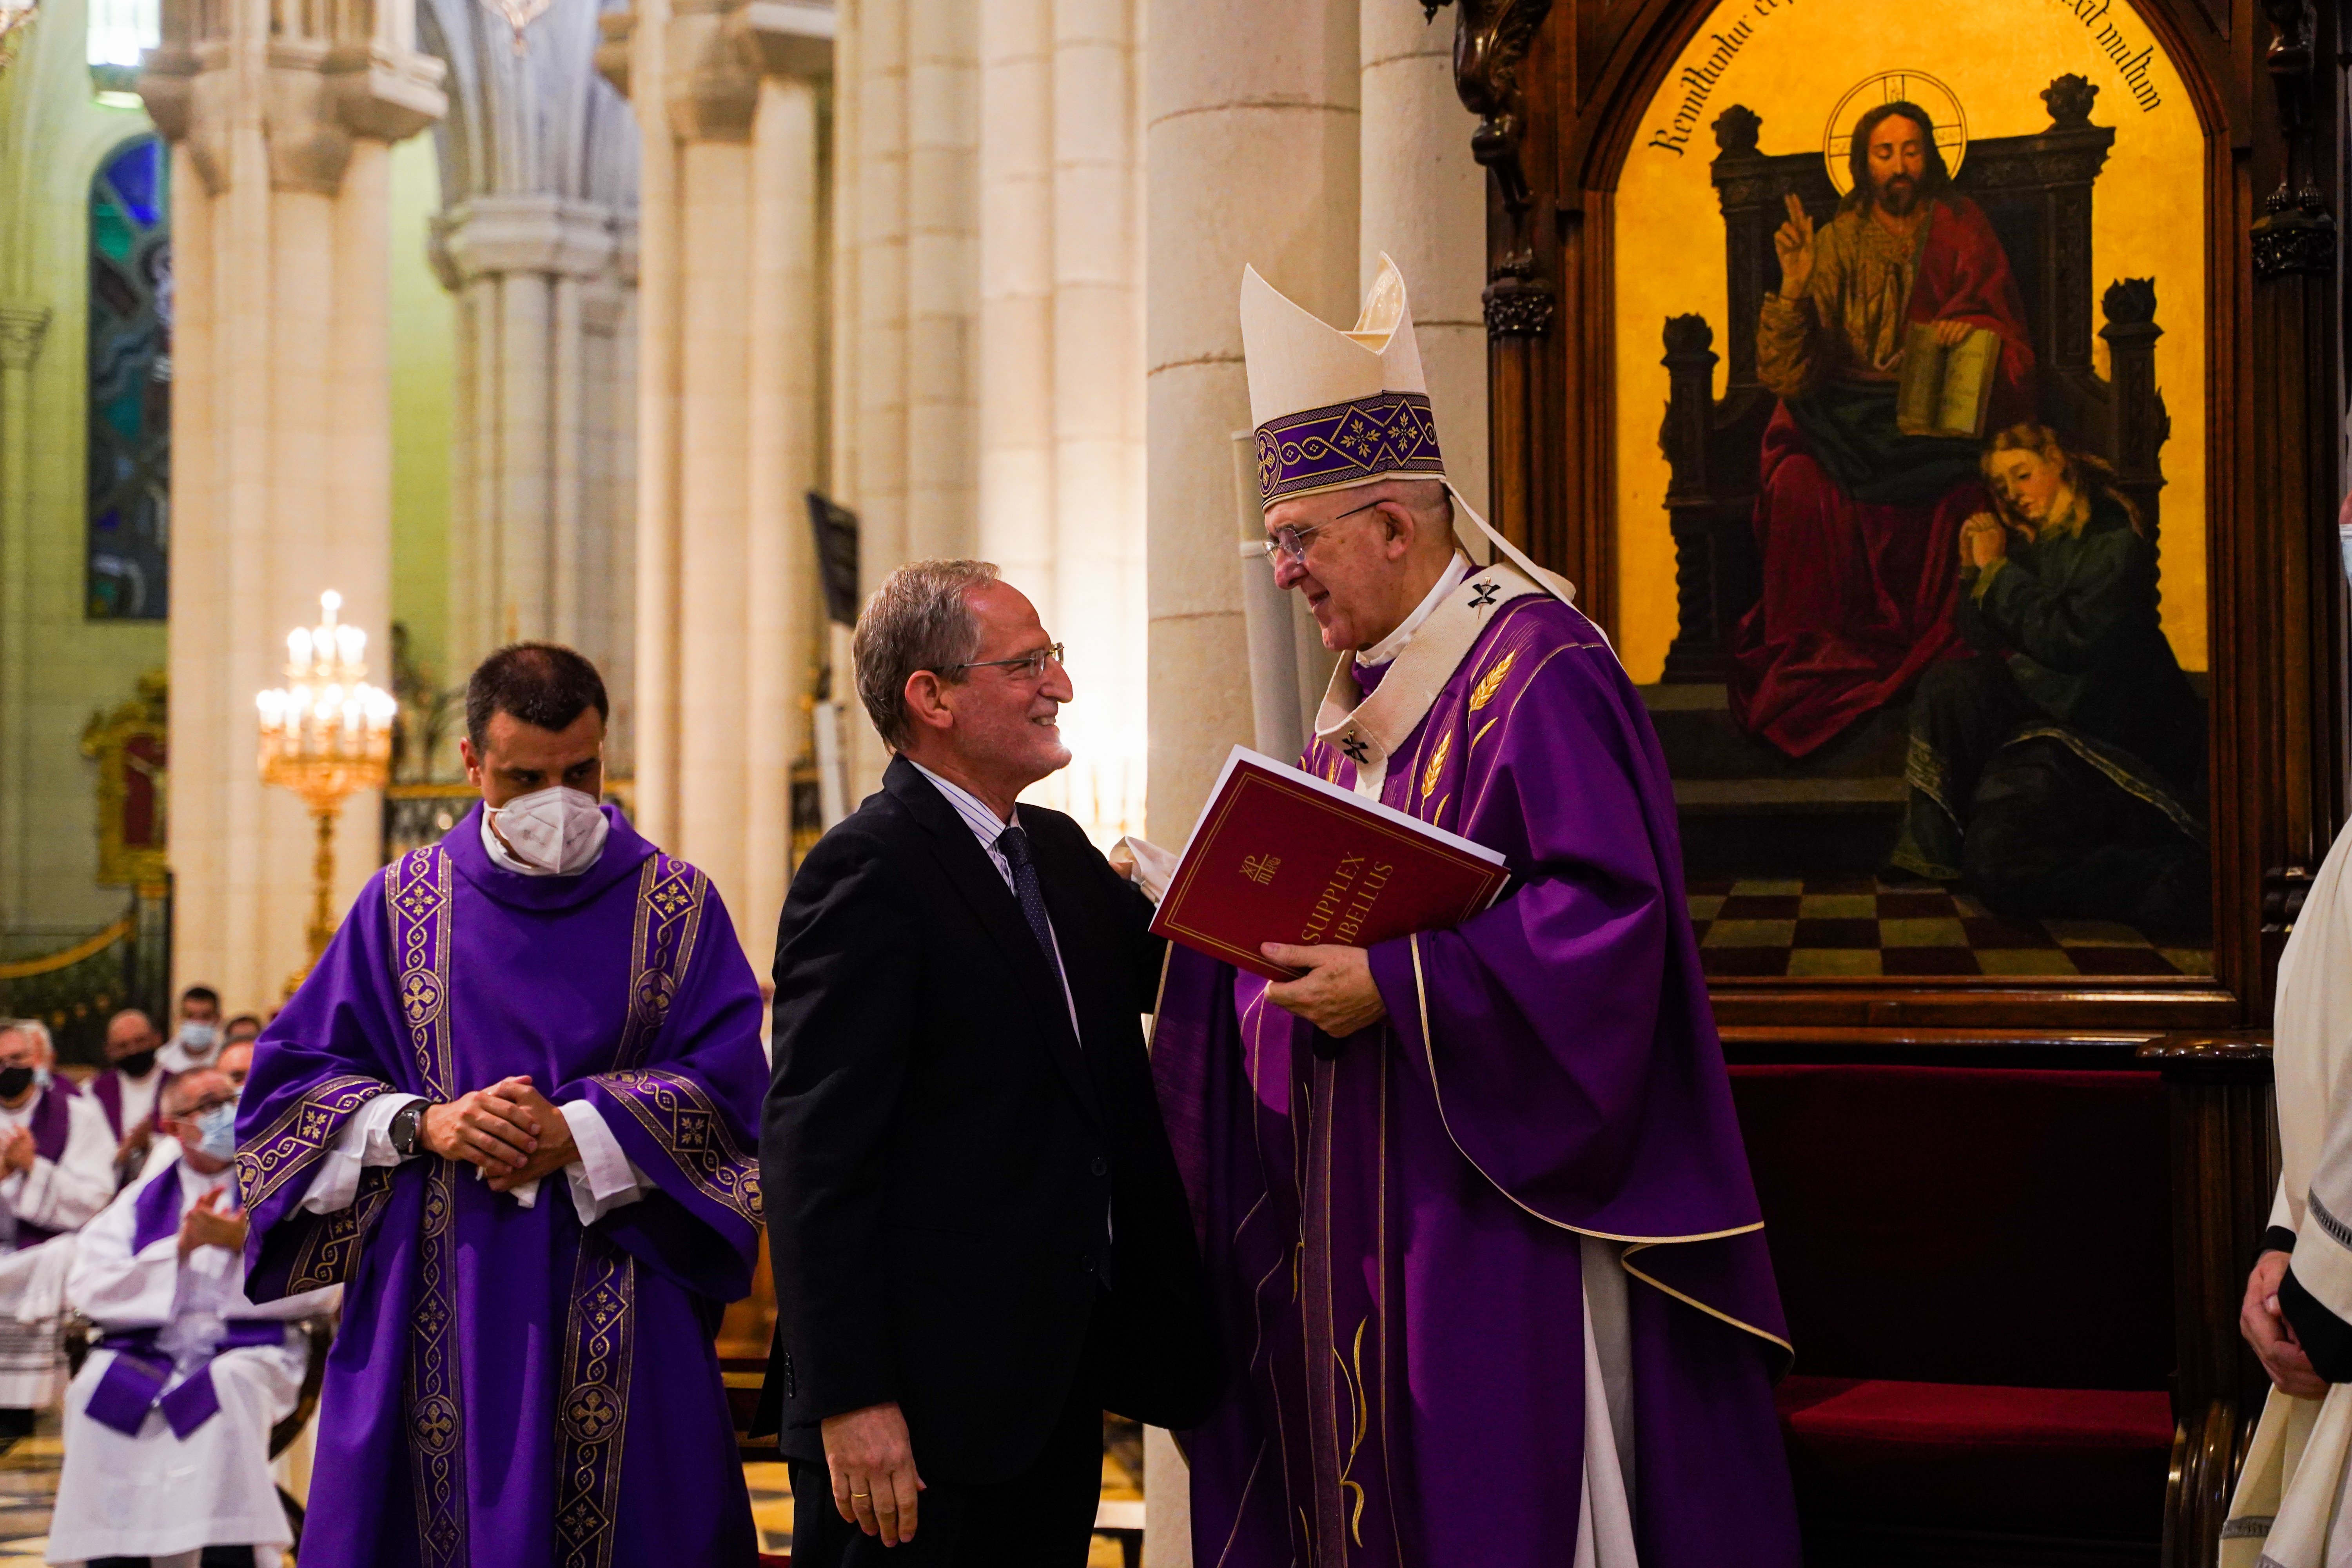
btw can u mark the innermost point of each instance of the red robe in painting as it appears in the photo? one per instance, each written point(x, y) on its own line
point(1859, 589)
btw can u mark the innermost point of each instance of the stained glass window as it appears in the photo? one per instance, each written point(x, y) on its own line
point(130, 383)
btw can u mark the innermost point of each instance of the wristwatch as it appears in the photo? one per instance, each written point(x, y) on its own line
point(408, 1129)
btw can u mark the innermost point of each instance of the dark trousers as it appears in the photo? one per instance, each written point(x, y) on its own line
point(1042, 1517)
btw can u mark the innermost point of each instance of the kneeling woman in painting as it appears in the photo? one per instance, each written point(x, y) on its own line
point(2060, 772)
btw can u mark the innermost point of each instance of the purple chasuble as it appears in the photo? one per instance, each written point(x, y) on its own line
point(509, 1390)
point(1395, 1234)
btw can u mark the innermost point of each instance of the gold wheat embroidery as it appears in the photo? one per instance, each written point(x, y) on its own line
point(1492, 681)
point(1436, 764)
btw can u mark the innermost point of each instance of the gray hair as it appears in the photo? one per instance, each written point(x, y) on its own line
point(917, 619)
point(43, 1045)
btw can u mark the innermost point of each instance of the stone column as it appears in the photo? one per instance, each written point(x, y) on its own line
point(1252, 152)
point(906, 305)
point(1424, 203)
point(1061, 419)
point(521, 265)
point(538, 182)
point(729, 327)
point(280, 122)
point(22, 327)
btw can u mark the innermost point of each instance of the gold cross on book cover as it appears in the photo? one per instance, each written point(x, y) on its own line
point(1279, 855)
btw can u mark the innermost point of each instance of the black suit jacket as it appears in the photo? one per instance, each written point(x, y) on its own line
point(951, 1179)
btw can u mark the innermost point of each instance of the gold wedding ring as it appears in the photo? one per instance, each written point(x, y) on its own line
point(855, 1496)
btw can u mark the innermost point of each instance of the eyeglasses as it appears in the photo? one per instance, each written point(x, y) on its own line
point(1292, 541)
point(209, 1104)
point(1028, 667)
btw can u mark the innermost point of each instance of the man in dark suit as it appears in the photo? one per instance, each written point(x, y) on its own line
point(979, 1235)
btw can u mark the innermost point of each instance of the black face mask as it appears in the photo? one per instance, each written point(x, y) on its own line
point(14, 1081)
point(136, 1064)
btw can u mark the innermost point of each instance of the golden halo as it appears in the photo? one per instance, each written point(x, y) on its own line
point(1949, 127)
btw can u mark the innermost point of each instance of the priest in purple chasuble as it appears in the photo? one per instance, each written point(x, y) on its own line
point(514, 1111)
point(1474, 1200)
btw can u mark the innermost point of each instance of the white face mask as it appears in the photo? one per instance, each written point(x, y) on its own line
point(558, 832)
point(198, 1037)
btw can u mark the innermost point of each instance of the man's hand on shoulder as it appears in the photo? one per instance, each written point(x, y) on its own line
point(2272, 1336)
point(556, 1148)
point(486, 1129)
point(1336, 995)
point(872, 1463)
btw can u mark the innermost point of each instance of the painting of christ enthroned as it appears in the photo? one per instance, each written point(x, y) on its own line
point(1920, 705)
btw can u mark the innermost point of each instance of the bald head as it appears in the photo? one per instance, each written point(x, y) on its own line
point(128, 1033)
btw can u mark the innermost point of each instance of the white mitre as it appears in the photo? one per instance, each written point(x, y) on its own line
point(1334, 410)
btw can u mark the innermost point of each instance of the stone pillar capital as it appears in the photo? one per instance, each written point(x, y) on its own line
point(719, 50)
point(522, 232)
point(791, 38)
point(22, 327)
point(313, 91)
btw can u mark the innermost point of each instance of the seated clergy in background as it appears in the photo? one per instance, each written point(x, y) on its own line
point(198, 1038)
point(126, 1089)
point(167, 1427)
point(979, 1240)
point(1476, 1204)
point(57, 1170)
point(511, 1107)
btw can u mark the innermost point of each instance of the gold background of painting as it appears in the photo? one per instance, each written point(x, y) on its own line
point(2147, 220)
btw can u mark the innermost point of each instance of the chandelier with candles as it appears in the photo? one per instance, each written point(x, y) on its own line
point(325, 735)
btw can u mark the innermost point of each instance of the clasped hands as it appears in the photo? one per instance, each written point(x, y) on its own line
point(17, 1151)
point(206, 1223)
point(509, 1131)
point(2272, 1336)
point(1984, 539)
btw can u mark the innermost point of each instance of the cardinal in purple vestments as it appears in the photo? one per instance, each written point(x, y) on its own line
point(1475, 1201)
point(519, 1384)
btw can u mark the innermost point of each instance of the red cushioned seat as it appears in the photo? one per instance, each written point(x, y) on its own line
point(2083, 1462)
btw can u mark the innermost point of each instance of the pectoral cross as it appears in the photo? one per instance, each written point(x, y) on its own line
point(1485, 595)
point(1358, 753)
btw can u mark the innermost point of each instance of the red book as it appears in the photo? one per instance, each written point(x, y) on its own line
point(1278, 855)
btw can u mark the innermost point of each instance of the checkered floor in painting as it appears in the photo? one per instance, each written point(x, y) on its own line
point(1822, 927)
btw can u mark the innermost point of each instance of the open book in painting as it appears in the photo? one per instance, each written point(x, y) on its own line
point(1945, 389)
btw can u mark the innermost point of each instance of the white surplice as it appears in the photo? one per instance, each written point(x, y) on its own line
point(159, 1494)
point(2286, 1511)
point(62, 1194)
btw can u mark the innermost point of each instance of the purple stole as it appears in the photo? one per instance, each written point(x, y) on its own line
point(135, 1385)
point(106, 1090)
point(52, 1123)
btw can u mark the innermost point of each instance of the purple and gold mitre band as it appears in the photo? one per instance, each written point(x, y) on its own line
point(1345, 443)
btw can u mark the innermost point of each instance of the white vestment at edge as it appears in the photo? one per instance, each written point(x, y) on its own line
point(158, 1495)
point(2290, 1509)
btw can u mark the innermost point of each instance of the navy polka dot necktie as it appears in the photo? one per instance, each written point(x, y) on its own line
point(1014, 845)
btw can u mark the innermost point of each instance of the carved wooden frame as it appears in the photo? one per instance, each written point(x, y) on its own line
point(1560, 88)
